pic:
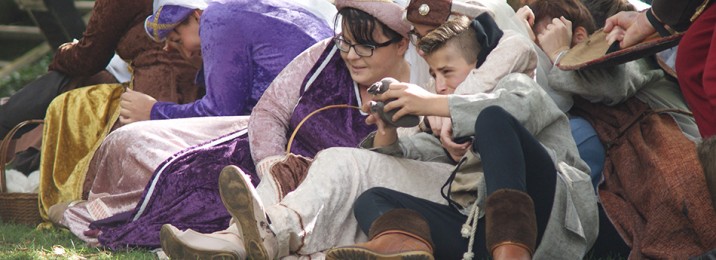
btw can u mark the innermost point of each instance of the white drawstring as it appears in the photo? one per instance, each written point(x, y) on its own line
point(468, 230)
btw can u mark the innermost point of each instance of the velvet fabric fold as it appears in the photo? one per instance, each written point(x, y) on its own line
point(75, 125)
point(184, 189)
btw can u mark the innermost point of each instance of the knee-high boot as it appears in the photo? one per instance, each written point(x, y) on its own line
point(511, 225)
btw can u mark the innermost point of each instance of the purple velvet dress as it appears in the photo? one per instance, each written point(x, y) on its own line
point(245, 44)
point(184, 190)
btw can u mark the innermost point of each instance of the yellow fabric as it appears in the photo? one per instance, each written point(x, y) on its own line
point(75, 125)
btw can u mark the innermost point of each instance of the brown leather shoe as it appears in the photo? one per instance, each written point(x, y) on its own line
point(397, 234)
point(510, 225)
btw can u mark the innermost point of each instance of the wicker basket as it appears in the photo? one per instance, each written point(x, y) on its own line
point(20, 208)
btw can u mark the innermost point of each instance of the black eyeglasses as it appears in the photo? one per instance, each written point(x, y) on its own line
point(362, 50)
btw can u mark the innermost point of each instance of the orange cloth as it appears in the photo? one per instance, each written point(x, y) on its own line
point(75, 125)
point(654, 190)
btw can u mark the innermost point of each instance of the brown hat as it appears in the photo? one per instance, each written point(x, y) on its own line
point(428, 12)
point(437, 12)
point(596, 52)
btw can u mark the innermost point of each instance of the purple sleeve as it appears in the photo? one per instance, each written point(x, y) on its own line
point(242, 52)
point(227, 71)
point(271, 117)
point(96, 47)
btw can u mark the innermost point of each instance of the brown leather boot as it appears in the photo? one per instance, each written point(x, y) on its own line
point(510, 225)
point(397, 234)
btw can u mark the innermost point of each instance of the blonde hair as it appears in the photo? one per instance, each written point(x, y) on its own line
point(455, 31)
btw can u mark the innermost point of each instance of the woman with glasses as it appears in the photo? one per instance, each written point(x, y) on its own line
point(184, 189)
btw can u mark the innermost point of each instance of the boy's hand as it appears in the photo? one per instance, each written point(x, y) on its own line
point(455, 150)
point(437, 123)
point(527, 17)
point(374, 119)
point(411, 99)
point(386, 134)
point(135, 106)
point(556, 37)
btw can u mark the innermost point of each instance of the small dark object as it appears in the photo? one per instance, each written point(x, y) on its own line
point(387, 117)
point(462, 139)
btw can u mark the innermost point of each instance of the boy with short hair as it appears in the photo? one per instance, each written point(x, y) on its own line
point(529, 161)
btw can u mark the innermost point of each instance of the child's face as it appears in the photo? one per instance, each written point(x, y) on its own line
point(449, 68)
point(185, 38)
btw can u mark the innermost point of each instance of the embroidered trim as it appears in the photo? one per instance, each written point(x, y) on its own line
point(156, 26)
point(323, 66)
point(699, 10)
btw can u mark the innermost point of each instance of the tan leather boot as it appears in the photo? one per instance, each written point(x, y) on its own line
point(242, 202)
point(510, 225)
point(397, 234)
point(190, 244)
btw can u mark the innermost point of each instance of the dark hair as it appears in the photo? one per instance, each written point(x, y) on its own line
point(362, 25)
point(455, 31)
point(603, 9)
point(572, 10)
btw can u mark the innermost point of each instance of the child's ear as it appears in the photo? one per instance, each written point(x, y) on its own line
point(579, 35)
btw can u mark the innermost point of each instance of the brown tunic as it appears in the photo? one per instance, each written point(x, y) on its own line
point(119, 26)
point(677, 13)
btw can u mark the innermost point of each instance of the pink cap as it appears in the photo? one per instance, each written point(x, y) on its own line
point(387, 12)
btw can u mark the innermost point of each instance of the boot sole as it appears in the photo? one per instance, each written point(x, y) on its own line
point(175, 249)
point(360, 253)
point(238, 200)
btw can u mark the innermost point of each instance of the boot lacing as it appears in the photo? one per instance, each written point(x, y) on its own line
point(468, 230)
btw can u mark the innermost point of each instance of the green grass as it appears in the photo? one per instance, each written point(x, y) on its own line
point(24, 242)
point(18, 79)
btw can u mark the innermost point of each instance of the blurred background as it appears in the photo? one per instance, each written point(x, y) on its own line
point(29, 31)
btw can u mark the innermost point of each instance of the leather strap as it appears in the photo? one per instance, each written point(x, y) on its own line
point(660, 27)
